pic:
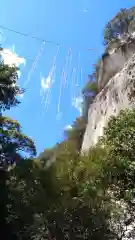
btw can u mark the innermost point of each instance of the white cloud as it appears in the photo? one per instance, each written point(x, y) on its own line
point(11, 58)
point(68, 127)
point(19, 74)
point(77, 103)
point(21, 95)
point(46, 82)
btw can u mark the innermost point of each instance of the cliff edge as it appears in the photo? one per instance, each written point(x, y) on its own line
point(118, 94)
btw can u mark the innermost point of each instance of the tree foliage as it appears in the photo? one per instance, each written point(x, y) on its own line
point(8, 87)
point(76, 133)
point(71, 206)
point(76, 196)
point(91, 86)
point(122, 24)
point(120, 168)
point(89, 92)
point(13, 142)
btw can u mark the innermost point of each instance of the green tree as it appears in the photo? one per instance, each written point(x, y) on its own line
point(119, 171)
point(64, 201)
point(75, 135)
point(76, 197)
point(79, 210)
point(91, 86)
point(120, 136)
point(90, 91)
point(29, 188)
point(9, 90)
point(15, 147)
point(119, 25)
point(12, 141)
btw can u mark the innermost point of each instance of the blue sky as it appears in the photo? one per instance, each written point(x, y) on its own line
point(74, 24)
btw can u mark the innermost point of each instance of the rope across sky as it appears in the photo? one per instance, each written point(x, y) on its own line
point(48, 81)
point(40, 39)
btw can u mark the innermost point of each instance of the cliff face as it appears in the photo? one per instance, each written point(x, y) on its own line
point(113, 61)
point(117, 94)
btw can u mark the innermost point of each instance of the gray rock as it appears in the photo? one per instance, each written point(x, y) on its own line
point(118, 94)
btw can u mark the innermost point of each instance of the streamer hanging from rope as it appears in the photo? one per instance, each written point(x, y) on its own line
point(46, 100)
point(73, 84)
point(34, 64)
point(60, 93)
point(46, 89)
point(51, 79)
point(49, 91)
point(78, 70)
point(76, 82)
point(66, 70)
point(81, 81)
point(70, 61)
point(46, 84)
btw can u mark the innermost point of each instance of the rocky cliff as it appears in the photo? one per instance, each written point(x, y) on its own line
point(117, 93)
point(115, 56)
